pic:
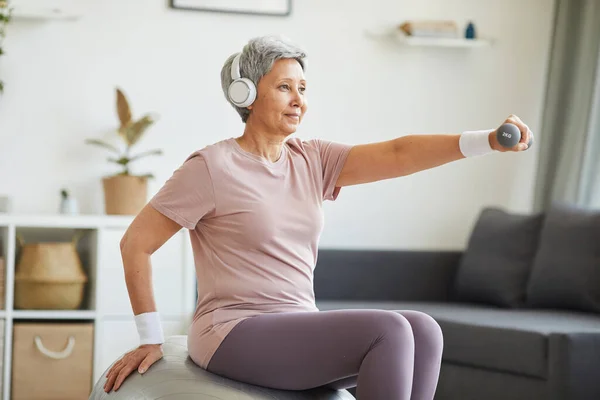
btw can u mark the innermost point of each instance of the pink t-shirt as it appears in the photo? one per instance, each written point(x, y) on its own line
point(254, 229)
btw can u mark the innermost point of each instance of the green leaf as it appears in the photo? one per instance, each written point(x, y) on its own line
point(156, 152)
point(137, 129)
point(103, 144)
point(123, 109)
point(120, 161)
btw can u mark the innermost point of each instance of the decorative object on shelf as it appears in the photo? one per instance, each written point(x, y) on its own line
point(5, 204)
point(68, 204)
point(124, 192)
point(274, 8)
point(49, 275)
point(5, 18)
point(470, 32)
point(438, 29)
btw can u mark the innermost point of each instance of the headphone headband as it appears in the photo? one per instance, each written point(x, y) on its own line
point(235, 67)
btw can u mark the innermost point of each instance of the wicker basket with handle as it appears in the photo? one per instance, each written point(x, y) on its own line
point(49, 276)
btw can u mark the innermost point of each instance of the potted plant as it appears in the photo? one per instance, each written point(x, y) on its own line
point(126, 193)
point(5, 16)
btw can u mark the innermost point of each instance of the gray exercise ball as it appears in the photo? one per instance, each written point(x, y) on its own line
point(176, 377)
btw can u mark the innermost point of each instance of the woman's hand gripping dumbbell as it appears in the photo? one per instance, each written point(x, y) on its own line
point(512, 135)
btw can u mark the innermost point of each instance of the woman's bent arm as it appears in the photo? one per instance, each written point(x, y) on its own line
point(147, 233)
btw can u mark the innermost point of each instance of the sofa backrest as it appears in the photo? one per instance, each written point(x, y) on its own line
point(384, 275)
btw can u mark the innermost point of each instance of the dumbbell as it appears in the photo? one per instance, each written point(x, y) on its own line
point(509, 135)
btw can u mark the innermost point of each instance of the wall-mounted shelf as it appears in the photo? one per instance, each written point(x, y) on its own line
point(401, 39)
point(442, 42)
point(45, 13)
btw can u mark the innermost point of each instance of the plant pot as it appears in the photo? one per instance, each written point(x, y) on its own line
point(125, 194)
point(69, 206)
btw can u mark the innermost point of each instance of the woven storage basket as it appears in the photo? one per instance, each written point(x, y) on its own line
point(49, 276)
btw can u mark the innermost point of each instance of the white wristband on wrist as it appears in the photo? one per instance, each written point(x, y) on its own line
point(475, 143)
point(149, 328)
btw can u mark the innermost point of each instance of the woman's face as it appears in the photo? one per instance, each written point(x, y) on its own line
point(280, 101)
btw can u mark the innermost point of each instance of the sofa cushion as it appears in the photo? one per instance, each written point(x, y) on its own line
point(515, 341)
point(566, 269)
point(497, 262)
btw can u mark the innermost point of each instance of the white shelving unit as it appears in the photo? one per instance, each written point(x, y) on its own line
point(106, 302)
point(399, 38)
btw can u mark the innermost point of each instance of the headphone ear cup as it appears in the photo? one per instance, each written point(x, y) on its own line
point(242, 92)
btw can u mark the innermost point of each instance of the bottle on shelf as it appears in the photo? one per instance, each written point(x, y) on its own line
point(470, 32)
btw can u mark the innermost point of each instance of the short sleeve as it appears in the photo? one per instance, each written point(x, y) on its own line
point(188, 194)
point(333, 157)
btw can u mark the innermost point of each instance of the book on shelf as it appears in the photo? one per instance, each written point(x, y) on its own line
point(430, 29)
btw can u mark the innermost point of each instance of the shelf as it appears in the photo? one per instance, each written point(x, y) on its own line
point(54, 314)
point(442, 42)
point(65, 221)
point(400, 38)
point(45, 13)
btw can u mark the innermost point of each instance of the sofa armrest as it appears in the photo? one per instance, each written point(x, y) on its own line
point(385, 275)
point(575, 365)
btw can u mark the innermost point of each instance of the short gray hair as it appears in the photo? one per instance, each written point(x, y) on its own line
point(257, 59)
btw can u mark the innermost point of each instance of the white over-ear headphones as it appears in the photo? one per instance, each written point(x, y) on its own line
point(242, 91)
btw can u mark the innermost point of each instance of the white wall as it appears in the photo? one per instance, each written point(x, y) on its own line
point(60, 79)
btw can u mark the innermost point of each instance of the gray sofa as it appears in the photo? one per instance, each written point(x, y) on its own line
point(519, 307)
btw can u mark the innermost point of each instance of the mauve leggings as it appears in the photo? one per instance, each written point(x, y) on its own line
point(387, 355)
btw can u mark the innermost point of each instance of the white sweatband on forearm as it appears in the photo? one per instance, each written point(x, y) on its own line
point(475, 143)
point(149, 328)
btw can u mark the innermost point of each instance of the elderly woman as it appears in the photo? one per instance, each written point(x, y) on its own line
point(253, 207)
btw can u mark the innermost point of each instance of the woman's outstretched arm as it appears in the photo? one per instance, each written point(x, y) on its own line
point(413, 153)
